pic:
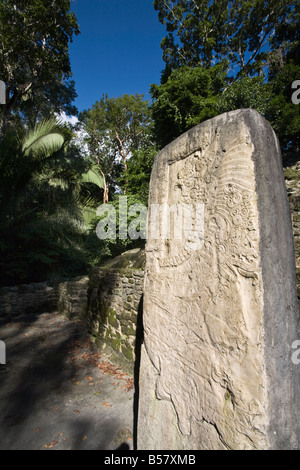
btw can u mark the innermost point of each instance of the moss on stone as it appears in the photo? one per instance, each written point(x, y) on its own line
point(129, 330)
point(116, 341)
point(132, 259)
point(292, 173)
point(111, 317)
point(127, 351)
point(115, 289)
point(108, 332)
point(127, 306)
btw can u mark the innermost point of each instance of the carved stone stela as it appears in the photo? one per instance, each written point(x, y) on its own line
point(204, 380)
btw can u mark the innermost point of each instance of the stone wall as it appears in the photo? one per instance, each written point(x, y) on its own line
point(114, 301)
point(292, 180)
point(72, 297)
point(25, 298)
point(108, 301)
point(68, 297)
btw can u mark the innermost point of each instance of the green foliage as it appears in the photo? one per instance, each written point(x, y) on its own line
point(283, 114)
point(89, 195)
point(118, 134)
point(100, 250)
point(190, 96)
point(24, 156)
point(93, 176)
point(219, 56)
point(115, 128)
point(285, 42)
point(255, 48)
point(138, 173)
point(273, 99)
point(42, 233)
point(45, 139)
point(203, 32)
point(248, 92)
point(34, 58)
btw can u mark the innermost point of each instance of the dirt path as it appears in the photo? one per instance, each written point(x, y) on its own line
point(57, 391)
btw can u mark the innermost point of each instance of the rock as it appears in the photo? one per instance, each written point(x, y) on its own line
point(220, 303)
point(114, 296)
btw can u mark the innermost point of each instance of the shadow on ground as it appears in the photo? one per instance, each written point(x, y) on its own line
point(57, 391)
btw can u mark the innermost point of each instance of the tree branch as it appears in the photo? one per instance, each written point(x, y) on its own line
point(124, 157)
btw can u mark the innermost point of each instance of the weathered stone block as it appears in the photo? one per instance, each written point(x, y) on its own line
point(112, 302)
point(220, 306)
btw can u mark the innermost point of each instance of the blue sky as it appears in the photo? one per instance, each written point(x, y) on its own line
point(118, 51)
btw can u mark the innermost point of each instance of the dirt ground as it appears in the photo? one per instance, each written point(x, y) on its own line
point(57, 391)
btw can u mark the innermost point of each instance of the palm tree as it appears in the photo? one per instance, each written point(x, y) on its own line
point(39, 213)
point(23, 155)
point(94, 176)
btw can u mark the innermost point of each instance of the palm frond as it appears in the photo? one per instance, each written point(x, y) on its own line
point(93, 176)
point(45, 138)
point(58, 183)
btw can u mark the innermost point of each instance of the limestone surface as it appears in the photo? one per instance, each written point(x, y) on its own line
point(220, 306)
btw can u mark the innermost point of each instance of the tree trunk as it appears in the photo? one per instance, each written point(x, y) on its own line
point(124, 158)
point(105, 188)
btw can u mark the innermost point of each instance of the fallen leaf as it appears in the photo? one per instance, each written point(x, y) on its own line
point(49, 446)
point(77, 411)
point(88, 378)
point(84, 438)
point(37, 429)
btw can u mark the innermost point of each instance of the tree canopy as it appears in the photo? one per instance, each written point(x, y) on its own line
point(115, 127)
point(227, 55)
point(34, 58)
point(204, 32)
point(189, 96)
point(219, 56)
point(41, 220)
